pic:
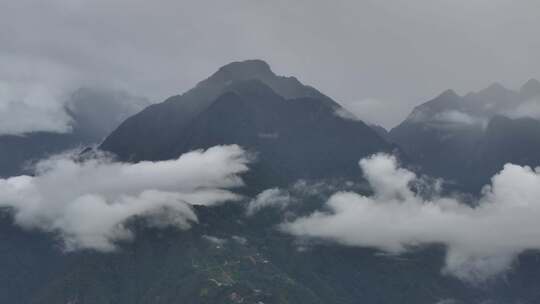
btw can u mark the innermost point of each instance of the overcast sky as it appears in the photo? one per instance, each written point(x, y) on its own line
point(379, 58)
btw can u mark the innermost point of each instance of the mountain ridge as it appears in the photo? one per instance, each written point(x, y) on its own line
point(462, 138)
point(304, 128)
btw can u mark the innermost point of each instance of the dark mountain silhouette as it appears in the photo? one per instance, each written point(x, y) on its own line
point(292, 128)
point(466, 139)
point(145, 135)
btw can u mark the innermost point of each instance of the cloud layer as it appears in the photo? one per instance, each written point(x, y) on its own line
point(482, 240)
point(88, 203)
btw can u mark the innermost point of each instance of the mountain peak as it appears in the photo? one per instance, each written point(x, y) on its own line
point(243, 70)
point(496, 94)
point(494, 89)
point(532, 82)
point(530, 89)
point(448, 94)
point(287, 87)
point(248, 63)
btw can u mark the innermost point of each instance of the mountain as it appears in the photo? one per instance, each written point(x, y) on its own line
point(293, 133)
point(293, 129)
point(380, 130)
point(531, 89)
point(466, 139)
point(94, 114)
point(144, 135)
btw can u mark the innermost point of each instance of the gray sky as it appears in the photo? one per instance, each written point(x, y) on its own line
point(379, 58)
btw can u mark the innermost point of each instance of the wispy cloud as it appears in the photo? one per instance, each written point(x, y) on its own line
point(270, 198)
point(455, 117)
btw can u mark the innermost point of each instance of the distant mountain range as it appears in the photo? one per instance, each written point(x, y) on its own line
point(94, 114)
point(467, 139)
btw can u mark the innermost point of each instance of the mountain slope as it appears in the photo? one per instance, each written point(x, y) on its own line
point(162, 123)
point(293, 129)
point(467, 139)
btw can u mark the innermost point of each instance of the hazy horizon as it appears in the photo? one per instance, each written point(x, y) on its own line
point(367, 55)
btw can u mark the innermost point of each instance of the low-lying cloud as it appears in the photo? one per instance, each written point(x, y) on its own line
point(455, 117)
point(89, 203)
point(26, 108)
point(270, 198)
point(449, 119)
point(482, 240)
point(527, 109)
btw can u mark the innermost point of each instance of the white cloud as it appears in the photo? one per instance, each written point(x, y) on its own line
point(31, 95)
point(218, 242)
point(482, 240)
point(345, 114)
point(239, 239)
point(89, 202)
point(457, 118)
point(269, 198)
point(448, 119)
point(18, 117)
point(34, 95)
